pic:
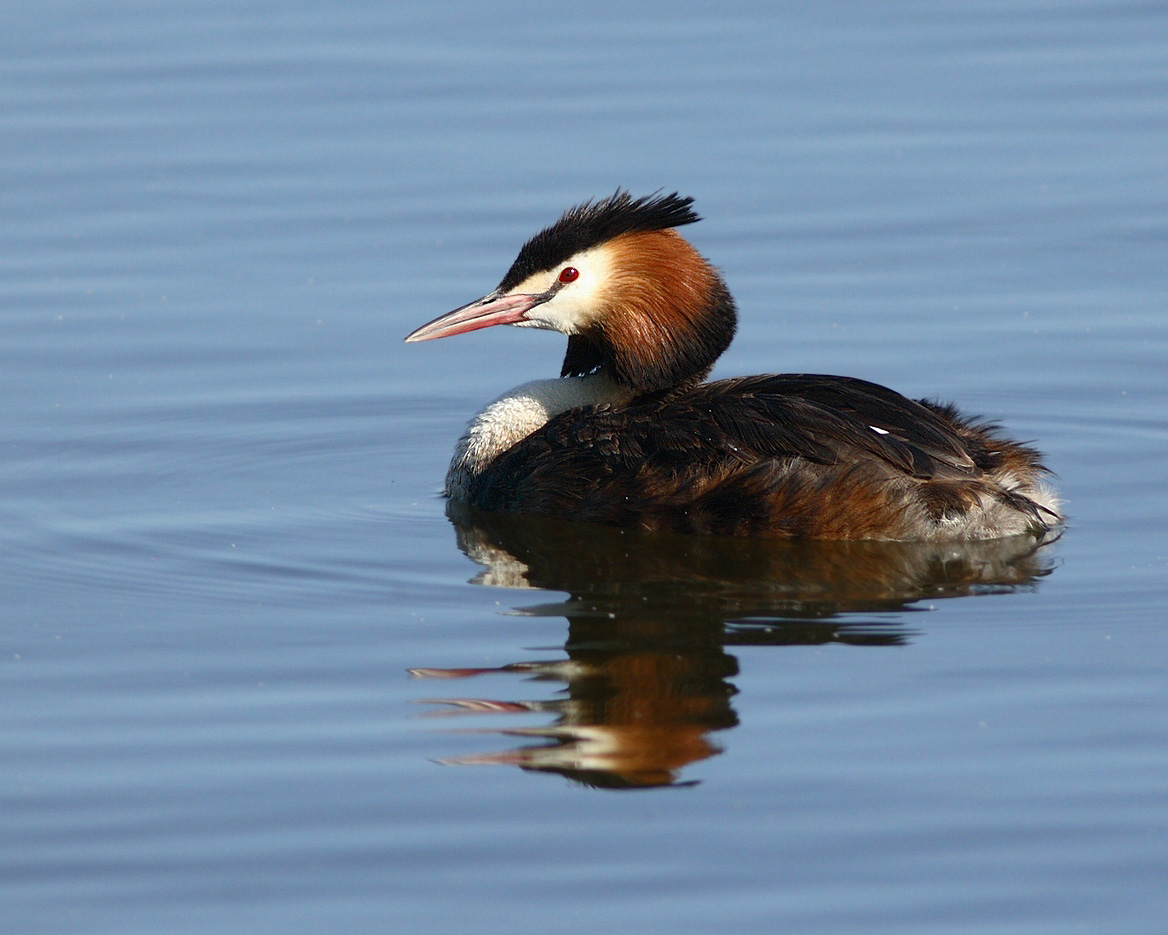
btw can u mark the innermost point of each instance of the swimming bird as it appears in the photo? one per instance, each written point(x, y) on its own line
point(630, 435)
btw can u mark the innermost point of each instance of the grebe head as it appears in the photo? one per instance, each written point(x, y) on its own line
point(635, 299)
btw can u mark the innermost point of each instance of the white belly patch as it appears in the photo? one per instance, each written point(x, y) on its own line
point(518, 413)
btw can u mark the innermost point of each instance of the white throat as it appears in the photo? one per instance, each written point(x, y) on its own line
point(518, 413)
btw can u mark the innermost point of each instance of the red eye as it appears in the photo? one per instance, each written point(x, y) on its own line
point(569, 274)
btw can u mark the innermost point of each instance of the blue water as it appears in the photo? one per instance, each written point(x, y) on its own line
point(222, 549)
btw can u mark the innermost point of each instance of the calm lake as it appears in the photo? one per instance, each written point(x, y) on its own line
point(255, 677)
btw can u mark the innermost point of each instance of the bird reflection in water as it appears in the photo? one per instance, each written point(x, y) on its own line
point(650, 617)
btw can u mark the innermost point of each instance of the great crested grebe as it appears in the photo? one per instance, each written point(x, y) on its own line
point(629, 434)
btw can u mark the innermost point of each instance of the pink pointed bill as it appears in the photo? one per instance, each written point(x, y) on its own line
point(490, 310)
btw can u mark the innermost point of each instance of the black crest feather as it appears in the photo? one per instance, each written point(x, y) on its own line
point(594, 222)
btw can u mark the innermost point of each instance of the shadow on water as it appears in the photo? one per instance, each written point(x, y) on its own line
point(650, 617)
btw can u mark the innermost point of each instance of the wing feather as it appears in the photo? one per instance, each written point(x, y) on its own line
point(666, 447)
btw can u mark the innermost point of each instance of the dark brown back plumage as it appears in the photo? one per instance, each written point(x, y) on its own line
point(794, 455)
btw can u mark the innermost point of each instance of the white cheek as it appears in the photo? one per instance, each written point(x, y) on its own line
point(568, 312)
point(577, 304)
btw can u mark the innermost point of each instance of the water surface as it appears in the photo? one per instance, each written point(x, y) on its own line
point(256, 678)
